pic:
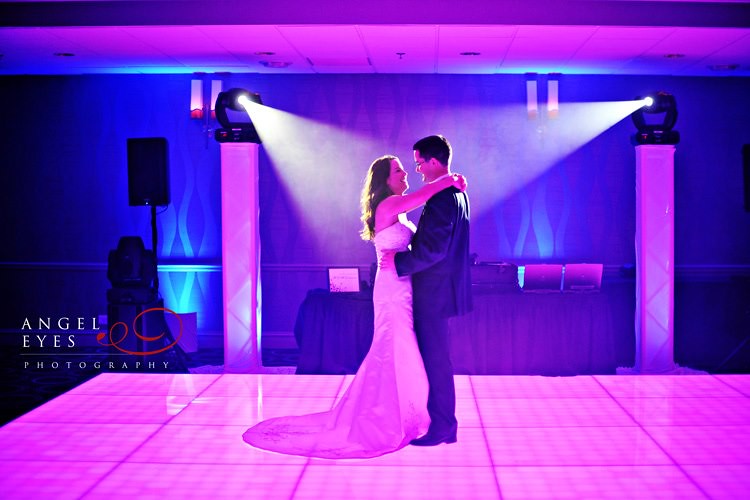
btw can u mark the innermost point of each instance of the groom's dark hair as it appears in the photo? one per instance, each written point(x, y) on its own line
point(434, 146)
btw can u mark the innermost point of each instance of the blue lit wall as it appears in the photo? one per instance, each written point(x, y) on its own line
point(64, 180)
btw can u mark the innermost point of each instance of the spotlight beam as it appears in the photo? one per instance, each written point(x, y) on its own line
point(322, 168)
point(538, 147)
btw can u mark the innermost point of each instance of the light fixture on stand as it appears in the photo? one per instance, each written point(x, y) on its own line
point(232, 114)
point(240, 249)
point(656, 119)
point(654, 235)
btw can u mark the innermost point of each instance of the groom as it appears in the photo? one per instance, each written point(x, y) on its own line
point(439, 265)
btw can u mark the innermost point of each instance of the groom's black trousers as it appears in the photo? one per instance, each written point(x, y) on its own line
point(432, 336)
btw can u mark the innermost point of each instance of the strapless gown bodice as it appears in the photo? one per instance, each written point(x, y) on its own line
point(394, 237)
point(389, 287)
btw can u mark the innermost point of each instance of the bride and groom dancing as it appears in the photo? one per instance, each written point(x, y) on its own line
point(403, 392)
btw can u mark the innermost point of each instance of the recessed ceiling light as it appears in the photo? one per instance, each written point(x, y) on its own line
point(674, 56)
point(276, 64)
point(265, 53)
point(471, 53)
point(723, 67)
point(63, 54)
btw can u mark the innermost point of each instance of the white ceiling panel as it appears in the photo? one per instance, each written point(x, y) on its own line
point(187, 45)
point(553, 34)
point(473, 31)
point(325, 42)
point(736, 51)
point(697, 42)
point(451, 45)
point(612, 48)
point(401, 49)
point(632, 33)
point(609, 37)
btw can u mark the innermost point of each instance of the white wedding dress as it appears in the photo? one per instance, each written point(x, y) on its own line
point(385, 406)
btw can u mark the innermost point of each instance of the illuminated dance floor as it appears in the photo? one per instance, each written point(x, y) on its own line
point(180, 436)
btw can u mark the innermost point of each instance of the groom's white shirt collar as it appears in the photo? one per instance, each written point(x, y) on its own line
point(441, 177)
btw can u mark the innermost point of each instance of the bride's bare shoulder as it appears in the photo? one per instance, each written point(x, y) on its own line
point(384, 215)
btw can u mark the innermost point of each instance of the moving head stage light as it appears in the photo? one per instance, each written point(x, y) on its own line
point(655, 121)
point(131, 270)
point(234, 118)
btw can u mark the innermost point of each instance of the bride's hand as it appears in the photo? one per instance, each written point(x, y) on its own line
point(459, 182)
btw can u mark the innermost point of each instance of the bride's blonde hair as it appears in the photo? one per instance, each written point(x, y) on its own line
point(375, 190)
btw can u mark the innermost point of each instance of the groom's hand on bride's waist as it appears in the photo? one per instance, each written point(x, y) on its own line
point(386, 260)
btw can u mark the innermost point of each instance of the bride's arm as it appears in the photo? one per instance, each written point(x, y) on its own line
point(397, 204)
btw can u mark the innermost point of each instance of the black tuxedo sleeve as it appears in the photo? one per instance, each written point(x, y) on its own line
point(431, 243)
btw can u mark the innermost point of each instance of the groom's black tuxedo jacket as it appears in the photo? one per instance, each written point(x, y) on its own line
point(439, 257)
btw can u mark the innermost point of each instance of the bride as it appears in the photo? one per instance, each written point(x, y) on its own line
point(385, 406)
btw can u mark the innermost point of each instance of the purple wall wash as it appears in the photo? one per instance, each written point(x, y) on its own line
point(534, 197)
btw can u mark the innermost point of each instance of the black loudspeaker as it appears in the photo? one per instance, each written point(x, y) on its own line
point(148, 172)
point(746, 168)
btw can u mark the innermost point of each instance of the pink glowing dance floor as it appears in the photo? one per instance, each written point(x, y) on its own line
point(180, 436)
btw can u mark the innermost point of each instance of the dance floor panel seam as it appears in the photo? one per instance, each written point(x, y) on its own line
point(180, 436)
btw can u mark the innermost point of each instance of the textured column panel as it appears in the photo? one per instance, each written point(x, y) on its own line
point(654, 324)
point(240, 255)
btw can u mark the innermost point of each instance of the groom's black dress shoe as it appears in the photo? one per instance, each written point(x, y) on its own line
point(434, 439)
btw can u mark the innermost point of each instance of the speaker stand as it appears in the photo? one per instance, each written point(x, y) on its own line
point(154, 238)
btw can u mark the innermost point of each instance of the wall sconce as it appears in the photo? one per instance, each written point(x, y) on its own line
point(196, 99)
point(200, 108)
point(197, 105)
point(553, 103)
point(532, 107)
point(215, 91)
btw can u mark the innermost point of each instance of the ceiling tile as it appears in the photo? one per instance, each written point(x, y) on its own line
point(115, 45)
point(554, 33)
point(325, 42)
point(256, 45)
point(697, 41)
point(415, 44)
point(632, 33)
point(738, 50)
point(488, 47)
point(478, 31)
point(612, 49)
point(186, 45)
point(429, 48)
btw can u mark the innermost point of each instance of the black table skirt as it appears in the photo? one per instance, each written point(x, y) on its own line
point(505, 334)
point(535, 334)
point(333, 331)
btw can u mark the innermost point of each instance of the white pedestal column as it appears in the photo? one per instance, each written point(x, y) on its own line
point(240, 255)
point(654, 251)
